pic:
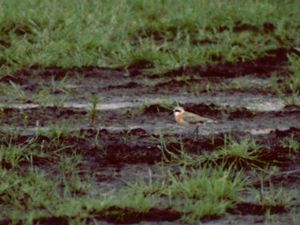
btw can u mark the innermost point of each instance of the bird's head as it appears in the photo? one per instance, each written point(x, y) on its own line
point(178, 111)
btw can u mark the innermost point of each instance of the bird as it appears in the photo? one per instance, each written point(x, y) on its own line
point(185, 118)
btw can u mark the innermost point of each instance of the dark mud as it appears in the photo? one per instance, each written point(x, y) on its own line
point(245, 208)
point(267, 27)
point(80, 117)
point(275, 60)
point(121, 137)
point(129, 216)
point(115, 215)
point(137, 146)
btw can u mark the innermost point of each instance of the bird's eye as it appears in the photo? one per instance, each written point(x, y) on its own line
point(176, 110)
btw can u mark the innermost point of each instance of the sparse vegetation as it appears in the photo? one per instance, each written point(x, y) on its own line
point(206, 192)
point(292, 144)
point(13, 92)
point(209, 187)
point(293, 84)
point(237, 154)
point(242, 154)
point(45, 98)
point(289, 84)
point(94, 101)
point(271, 197)
point(235, 61)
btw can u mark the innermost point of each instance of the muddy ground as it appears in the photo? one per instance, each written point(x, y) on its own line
point(119, 137)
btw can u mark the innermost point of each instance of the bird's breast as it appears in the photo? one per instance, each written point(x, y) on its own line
point(179, 119)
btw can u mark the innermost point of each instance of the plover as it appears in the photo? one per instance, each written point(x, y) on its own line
point(185, 118)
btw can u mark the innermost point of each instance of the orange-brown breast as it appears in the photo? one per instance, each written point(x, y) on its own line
point(179, 119)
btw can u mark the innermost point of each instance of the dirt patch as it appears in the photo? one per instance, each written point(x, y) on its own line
point(241, 27)
point(155, 108)
point(136, 67)
point(112, 150)
point(20, 29)
point(4, 43)
point(116, 215)
point(245, 208)
point(133, 129)
point(267, 27)
point(129, 85)
point(125, 216)
point(172, 84)
point(104, 148)
point(52, 221)
point(204, 41)
point(274, 60)
point(30, 117)
point(22, 76)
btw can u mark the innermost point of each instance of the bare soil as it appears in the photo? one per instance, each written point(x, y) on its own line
point(134, 113)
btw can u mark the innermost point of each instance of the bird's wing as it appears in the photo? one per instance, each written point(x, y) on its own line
point(194, 118)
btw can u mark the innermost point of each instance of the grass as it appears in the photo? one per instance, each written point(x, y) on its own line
point(288, 87)
point(45, 98)
point(292, 144)
point(13, 92)
point(270, 196)
point(205, 192)
point(13, 156)
point(47, 95)
point(37, 194)
point(63, 185)
point(93, 114)
point(49, 177)
point(57, 131)
point(60, 186)
point(29, 192)
point(293, 84)
point(241, 154)
point(244, 153)
point(244, 83)
point(128, 31)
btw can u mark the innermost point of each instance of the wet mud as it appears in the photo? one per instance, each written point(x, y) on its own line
point(122, 131)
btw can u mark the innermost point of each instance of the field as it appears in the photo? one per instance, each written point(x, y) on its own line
point(87, 90)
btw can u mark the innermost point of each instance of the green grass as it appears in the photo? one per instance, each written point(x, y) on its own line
point(290, 84)
point(292, 144)
point(59, 186)
point(205, 192)
point(44, 96)
point(293, 83)
point(119, 33)
point(241, 154)
point(238, 154)
point(50, 180)
point(270, 196)
point(94, 112)
point(12, 156)
point(214, 185)
point(13, 91)
point(30, 191)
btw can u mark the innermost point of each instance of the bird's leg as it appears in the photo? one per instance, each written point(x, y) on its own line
point(196, 132)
